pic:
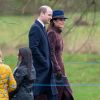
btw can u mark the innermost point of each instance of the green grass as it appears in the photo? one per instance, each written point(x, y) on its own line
point(14, 30)
point(82, 70)
point(86, 92)
point(11, 60)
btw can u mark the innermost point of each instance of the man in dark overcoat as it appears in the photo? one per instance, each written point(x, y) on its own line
point(39, 45)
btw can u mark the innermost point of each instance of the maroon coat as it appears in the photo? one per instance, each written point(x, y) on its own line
point(56, 45)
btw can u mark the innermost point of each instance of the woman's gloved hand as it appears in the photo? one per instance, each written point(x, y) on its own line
point(59, 75)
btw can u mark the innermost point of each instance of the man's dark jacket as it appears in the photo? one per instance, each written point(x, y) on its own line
point(39, 45)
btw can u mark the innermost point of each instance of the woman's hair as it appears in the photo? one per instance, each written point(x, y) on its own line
point(51, 23)
point(26, 58)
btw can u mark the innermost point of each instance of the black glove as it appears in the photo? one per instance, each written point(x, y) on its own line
point(59, 75)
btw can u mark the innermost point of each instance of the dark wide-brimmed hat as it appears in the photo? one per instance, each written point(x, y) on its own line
point(58, 14)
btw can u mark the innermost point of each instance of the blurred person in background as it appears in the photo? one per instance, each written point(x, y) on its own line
point(7, 81)
point(25, 76)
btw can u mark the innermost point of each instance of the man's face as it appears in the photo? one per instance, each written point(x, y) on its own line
point(47, 16)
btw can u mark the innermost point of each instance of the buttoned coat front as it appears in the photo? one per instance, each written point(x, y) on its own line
point(56, 45)
point(39, 45)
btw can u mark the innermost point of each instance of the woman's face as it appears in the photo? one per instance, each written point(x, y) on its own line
point(59, 23)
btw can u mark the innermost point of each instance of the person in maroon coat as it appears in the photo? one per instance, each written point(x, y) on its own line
point(56, 46)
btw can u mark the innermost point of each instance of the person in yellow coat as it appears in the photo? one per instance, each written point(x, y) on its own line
point(7, 81)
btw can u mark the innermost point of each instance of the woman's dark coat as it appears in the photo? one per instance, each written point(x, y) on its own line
point(56, 45)
point(24, 84)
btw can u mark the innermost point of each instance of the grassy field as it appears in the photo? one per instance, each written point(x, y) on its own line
point(14, 30)
point(83, 71)
point(82, 68)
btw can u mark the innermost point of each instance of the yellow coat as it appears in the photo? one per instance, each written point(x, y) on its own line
point(7, 81)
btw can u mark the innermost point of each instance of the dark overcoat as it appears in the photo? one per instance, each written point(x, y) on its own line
point(56, 45)
point(39, 45)
point(24, 84)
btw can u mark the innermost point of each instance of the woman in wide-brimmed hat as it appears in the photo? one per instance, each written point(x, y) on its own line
point(56, 44)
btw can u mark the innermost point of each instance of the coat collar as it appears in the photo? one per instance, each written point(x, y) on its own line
point(58, 30)
point(38, 23)
point(41, 22)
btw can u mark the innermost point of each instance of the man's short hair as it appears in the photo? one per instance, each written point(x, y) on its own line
point(43, 9)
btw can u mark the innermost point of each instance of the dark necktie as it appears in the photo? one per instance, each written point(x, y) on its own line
point(44, 28)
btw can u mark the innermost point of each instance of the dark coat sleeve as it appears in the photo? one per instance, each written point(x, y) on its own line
point(33, 73)
point(19, 76)
point(34, 42)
